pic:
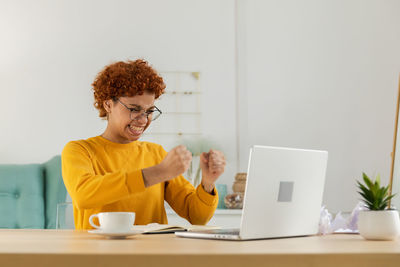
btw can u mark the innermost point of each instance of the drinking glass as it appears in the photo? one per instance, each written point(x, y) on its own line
point(65, 216)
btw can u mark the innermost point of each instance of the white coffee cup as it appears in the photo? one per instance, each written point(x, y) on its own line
point(113, 221)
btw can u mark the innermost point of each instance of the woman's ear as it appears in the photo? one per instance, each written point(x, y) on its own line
point(107, 104)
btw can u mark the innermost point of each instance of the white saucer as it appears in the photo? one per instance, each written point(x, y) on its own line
point(115, 234)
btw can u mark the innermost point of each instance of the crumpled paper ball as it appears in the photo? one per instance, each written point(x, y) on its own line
point(339, 224)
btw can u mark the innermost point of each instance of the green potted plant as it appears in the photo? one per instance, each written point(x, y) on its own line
point(378, 221)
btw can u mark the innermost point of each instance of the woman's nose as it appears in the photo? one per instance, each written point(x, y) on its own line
point(142, 117)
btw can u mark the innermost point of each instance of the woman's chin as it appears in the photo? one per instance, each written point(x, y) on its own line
point(133, 136)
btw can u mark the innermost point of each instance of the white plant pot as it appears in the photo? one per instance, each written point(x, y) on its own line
point(379, 224)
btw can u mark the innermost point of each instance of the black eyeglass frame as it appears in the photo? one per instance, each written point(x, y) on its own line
point(133, 110)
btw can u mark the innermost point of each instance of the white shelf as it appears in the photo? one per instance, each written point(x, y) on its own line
point(217, 211)
point(225, 218)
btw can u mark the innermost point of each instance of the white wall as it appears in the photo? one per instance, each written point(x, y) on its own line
point(321, 75)
point(51, 51)
point(312, 74)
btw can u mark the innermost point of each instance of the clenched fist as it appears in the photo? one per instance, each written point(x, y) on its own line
point(176, 162)
point(212, 166)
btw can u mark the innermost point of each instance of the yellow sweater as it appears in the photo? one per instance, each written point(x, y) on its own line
point(102, 176)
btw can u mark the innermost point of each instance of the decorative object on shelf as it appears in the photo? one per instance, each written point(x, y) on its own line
point(377, 221)
point(241, 176)
point(235, 200)
point(221, 188)
point(239, 185)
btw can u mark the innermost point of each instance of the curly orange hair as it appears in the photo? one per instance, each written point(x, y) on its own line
point(128, 78)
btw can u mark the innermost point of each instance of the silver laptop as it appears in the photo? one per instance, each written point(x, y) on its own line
point(283, 195)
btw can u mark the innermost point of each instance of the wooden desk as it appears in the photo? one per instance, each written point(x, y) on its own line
point(79, 248)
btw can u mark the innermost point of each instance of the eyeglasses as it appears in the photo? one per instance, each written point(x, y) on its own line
point(137, 112)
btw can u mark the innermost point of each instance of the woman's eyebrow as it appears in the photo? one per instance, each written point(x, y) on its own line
point(135, 105)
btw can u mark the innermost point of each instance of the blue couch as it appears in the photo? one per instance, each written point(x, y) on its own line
point(29, 194)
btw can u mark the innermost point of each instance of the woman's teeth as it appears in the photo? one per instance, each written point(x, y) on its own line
point(136, 129)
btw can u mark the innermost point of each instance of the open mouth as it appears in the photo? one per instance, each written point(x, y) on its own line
point(135, 130)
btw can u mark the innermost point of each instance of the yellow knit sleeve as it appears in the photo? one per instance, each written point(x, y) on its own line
point(90, 190)
point(195, 205)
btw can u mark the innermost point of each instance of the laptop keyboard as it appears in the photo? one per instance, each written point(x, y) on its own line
point(221, 231)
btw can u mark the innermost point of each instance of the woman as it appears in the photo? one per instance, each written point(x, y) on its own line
point(116, 172)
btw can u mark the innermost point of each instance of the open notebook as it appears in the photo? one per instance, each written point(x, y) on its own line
point(155, 228)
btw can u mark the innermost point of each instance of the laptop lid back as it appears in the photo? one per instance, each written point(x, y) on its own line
point(284, 192)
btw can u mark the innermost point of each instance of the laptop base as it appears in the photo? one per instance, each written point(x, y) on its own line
point(222, 234)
